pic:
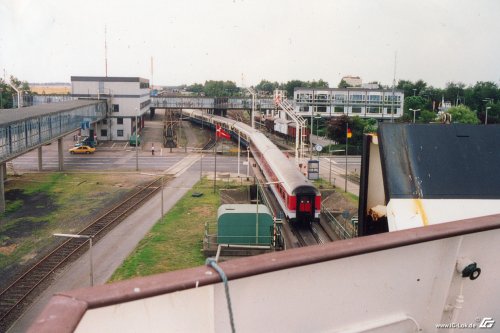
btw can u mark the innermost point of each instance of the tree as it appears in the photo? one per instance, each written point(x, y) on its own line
point(462, 114)
point(291, 85)
point(427, 117)
point(318, 84)
point(343, 84)
point(196, 88)
point(337, 129)
point(414, 102)
point(267, 86)
point(220, 88)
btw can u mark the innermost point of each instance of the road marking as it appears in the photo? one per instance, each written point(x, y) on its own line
point(180, 167)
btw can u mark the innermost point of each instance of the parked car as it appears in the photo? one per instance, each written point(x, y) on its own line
point(86, 141)
point(82, 150)
point(132, 140)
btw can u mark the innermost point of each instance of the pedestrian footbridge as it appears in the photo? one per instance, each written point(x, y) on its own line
point(25, 129)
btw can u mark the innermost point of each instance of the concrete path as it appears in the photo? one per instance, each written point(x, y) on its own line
point(110, 251)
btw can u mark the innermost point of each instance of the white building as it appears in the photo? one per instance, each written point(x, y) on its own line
point(365, 103)
point(353, 81)
point(128, 98)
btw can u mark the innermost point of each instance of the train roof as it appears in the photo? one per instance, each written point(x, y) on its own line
point(282, 166)
point(436, 161)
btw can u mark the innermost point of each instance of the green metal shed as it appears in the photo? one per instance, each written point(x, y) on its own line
point(238, 224)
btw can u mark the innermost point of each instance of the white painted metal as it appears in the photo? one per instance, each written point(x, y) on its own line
point(411, 288)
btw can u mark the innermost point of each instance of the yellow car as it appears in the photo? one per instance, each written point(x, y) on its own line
point(82, 150)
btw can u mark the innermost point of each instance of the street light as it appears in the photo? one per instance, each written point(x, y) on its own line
point(90, 251)
point(487, 100)
point(332, 151)
point(136, 150)
point(312, 131)
point(414, 112)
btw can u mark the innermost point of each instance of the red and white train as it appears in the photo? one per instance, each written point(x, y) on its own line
point(298, 198)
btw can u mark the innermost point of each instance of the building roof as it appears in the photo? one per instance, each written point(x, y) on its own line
point(109, 79)
point(436, 161)
point(348, 89)
point(242, 209)
point(13, 115)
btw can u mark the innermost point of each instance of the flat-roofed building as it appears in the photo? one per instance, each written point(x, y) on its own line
point(128, 98)
point(382, 104)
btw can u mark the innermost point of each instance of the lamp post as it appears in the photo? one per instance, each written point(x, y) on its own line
point(414, 112)
point(161, 188)
point(90, 251)
point(487, 100)
point(136, 149)
point(332, 151)
point(253, 93)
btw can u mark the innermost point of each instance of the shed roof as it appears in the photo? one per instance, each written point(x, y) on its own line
point(242, 209)
point(438, 161)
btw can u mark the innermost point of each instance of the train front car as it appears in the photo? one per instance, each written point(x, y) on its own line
point(297, 197)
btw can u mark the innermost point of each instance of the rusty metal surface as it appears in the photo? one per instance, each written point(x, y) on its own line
point(454, 161)
point(139, 288)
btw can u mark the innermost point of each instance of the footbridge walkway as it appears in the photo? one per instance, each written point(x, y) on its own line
point(222, 103)
point(25, 129)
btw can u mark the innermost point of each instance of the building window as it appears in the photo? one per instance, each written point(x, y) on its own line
point(144, 85)
point(373, 109)
point(145, 103)
point(119, 133)
point(104, 132)
point(339, 98)
point(356, 109)
point(104, 121)
point(321, 109)
point(338, 109)
point(116, 108)
point(357, 98)
point(119, 121)
point(304, 109)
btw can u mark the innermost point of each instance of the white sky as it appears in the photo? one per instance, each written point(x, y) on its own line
point(198, 40)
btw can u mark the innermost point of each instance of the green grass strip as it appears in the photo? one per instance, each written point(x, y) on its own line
point(175, 242)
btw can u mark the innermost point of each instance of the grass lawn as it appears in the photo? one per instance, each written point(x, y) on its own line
point(40, 204)
point(175, 242)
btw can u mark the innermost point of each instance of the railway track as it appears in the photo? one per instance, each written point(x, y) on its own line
point(306, 236)
point(15, 298)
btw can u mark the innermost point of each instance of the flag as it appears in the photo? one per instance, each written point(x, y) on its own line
point(349, 133)
point(220, 133)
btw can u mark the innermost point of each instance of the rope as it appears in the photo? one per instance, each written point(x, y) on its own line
point(212, 263)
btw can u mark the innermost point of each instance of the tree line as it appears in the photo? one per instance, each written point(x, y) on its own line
point(7, 93)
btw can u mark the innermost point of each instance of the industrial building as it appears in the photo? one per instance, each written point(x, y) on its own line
point(381, 104)
point(128, 98)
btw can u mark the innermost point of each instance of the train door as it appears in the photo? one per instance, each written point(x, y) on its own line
point(305, 208)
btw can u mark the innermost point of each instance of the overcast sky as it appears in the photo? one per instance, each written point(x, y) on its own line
point(279, 40)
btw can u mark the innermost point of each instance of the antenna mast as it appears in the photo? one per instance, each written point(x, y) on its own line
point(151, 72)
point(393, 86)
point(105, 51)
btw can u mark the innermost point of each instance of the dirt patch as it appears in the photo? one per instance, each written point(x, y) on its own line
point(202, 210)
point(337, 202)
point(37, 204)
point(6, 250)
point(234, 196)
point(34, 215)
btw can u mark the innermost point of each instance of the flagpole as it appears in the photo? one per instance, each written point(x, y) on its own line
point(346, 146)
point(239, 143)
point(215, 159)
